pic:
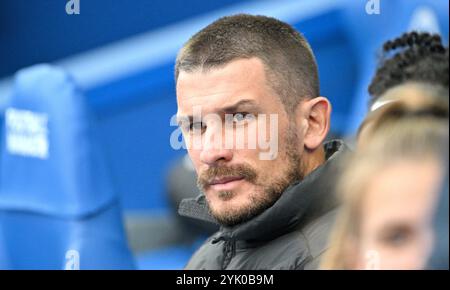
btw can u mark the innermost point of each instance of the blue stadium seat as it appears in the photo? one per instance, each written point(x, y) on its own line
point(168, 258)
point(58, 208)
point(4, 260)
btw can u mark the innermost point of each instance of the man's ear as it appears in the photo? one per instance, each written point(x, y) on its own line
point(316, 113)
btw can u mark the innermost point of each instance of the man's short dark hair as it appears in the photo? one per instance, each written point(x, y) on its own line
point(289, 62)
point(413, 57)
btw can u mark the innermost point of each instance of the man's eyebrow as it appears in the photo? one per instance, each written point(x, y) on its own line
point(235, 107)
point(225, 110)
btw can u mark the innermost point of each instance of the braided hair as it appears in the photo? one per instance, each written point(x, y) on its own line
point(419, 57)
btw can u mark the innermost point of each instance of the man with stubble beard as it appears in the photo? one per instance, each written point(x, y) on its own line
point(275, 208)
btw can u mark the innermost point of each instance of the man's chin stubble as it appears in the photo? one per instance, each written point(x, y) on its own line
point(225, 195)
point(232, 216)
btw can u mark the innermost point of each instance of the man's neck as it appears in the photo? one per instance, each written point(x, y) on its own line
point(314, 160)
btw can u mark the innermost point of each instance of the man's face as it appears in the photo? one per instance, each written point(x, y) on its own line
point(237, 182)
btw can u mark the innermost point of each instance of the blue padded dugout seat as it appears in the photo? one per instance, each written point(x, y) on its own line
point(58, 208)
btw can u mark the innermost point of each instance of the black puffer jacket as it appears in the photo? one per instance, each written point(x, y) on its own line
point(292, 234)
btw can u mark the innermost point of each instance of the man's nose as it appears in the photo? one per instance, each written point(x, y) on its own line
point(214, 149)
point(213, 156)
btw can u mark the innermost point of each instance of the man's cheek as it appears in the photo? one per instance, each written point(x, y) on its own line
point(268, 133)
point(193, 159)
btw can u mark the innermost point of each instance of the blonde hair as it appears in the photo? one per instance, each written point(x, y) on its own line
point(409, 98)
point(401, 129)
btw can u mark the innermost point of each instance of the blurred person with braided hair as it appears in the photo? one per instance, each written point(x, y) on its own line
point(413, 57)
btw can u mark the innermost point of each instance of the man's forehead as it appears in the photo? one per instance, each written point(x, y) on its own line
point(236, 75)
point(223, 86)
point(236, 68)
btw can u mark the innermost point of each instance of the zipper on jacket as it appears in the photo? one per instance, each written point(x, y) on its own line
point(229, 250)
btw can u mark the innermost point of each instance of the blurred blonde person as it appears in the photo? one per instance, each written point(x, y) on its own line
point(390, 185)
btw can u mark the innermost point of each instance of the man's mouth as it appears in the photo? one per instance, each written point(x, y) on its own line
point(225, 183)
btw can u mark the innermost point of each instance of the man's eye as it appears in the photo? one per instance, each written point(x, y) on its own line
point(196, 127)
point(242, 117)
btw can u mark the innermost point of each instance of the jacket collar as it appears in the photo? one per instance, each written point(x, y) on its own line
point(300, 203)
